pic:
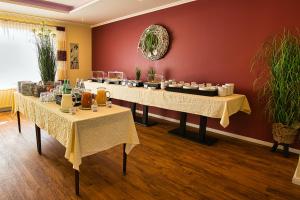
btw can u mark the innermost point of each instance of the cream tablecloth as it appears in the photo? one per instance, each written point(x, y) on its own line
point(214, 107)
point(85, 133)
point(296, 178)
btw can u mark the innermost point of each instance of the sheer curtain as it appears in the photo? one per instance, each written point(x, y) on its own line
point(18, 54)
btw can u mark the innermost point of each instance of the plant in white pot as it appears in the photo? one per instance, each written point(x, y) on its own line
point(279, 86)
point(46, 54)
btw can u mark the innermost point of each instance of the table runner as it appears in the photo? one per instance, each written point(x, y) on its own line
point(85, 133)
point(214, 107)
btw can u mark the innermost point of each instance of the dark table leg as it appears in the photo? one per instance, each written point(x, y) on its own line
point(274, 147)
point(133, 110)
point(181, 130)
point(19, 121)
point(124, 159)
point(38, 139)
point(144, 120)
point(77, 182)
point(202, 132)
point(286, 150)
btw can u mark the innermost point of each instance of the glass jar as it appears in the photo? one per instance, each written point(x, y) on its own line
point(102, 96)
point(86, 99)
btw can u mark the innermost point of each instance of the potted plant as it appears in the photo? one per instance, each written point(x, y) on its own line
point(46, 54)
point(279, 86)
point(151, 74)
point(138, 74)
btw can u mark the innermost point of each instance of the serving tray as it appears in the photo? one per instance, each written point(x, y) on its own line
point(149, 84)
point(193, 91)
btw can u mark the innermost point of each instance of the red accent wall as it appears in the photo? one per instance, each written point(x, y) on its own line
point(211, 41)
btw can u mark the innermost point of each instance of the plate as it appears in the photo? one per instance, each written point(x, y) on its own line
point(81, 108)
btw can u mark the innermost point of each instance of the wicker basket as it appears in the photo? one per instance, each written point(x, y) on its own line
point(283, 134)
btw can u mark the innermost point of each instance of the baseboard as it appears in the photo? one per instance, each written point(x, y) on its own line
point(6, 109)
point(225, 133)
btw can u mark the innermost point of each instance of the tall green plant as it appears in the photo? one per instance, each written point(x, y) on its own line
point(279, 84)
point(46, 53)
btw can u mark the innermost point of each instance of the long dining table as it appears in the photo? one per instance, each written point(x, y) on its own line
point(204, 106)
point(82, 134)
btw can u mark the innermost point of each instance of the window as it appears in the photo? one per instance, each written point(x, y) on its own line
point(18, 54)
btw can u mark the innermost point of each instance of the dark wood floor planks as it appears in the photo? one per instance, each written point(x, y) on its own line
point(162, 167)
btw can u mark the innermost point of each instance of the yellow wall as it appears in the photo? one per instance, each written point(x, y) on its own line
point(82, 36)
point(76, 33)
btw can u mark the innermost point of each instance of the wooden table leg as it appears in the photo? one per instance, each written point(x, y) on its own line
point(202, 128)
point(183, 117)
point(181, 130)
point(77, 182)
point(133, 110)
point(124, 159)
point(144, 120)
point(202, 132)
point(38, 139)
point(19, 121)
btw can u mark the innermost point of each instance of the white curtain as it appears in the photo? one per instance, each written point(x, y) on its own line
point(18, 54)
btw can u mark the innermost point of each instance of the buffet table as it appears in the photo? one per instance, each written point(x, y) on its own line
point(84, 133)
point(296, 178)
point(205, 106)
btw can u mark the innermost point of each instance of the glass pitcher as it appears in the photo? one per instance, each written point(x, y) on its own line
point(86, 99)
point(102, 96)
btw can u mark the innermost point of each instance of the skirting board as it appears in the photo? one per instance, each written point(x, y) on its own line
point(5, 109)
point(232, 135)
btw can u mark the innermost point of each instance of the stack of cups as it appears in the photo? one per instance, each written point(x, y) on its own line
point(230, 87)
point(222, 92)
point(226, 89)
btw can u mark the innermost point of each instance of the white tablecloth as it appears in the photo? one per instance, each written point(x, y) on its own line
point(85, 133)
point(214, 107)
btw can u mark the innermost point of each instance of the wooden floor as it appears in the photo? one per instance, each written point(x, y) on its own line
point(162, 167)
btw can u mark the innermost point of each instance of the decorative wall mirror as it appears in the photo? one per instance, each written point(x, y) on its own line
point(154, 42)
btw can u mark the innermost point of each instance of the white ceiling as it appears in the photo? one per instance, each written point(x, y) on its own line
point(92, 11)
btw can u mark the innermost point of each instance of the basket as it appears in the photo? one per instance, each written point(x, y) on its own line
point(283, 134)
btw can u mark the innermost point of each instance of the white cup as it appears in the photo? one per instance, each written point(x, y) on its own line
point(227, 89)
point(231, 86)
point(162, 85)
point(222, 91)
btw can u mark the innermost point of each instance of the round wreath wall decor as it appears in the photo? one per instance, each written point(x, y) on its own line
point(154, 42)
